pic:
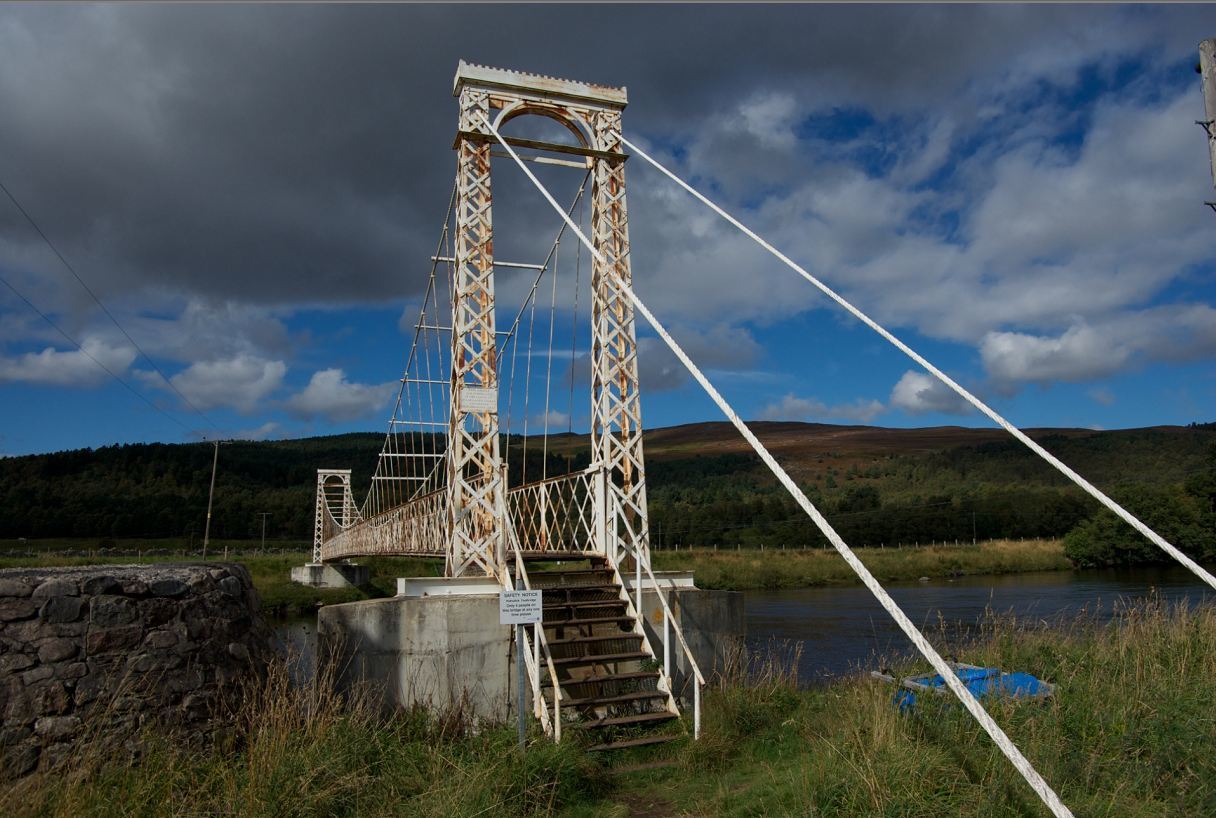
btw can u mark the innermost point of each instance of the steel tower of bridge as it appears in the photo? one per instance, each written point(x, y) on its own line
point(467, 520)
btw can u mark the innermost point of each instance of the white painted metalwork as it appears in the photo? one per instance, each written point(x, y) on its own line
point(418, 528)
point(335, 508)
point(556, 515)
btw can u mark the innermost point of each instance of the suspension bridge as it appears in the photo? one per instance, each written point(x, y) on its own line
point(455, 478)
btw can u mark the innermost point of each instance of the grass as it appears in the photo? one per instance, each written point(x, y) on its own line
point(307, 751)
point(1131, 732)
point(773, 569)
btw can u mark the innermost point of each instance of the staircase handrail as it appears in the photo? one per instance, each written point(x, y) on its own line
point(555, 727)
point(669, 620)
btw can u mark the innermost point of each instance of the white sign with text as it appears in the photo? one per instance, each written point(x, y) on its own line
point(519, 608)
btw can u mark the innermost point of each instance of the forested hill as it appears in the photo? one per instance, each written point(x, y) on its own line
point(878, 485)
point(160, 490)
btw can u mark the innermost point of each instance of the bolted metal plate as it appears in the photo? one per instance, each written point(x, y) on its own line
point(478, 399)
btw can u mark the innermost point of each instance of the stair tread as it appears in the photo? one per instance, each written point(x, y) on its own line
point(633, 742)
point(591, 620)
point(607, 657)
point(638, 695)
point(582, 603)
point(577, 640)
point(618, 721)
point(606, 677)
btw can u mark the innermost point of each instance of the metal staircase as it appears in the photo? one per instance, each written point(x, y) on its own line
point(610, 682)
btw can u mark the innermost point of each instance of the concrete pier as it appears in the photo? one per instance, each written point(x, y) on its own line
point(331, 575)
point(443, 652)
point(443, 649)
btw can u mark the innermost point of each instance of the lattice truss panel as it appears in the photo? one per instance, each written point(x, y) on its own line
point(555, 515)
point(418, 527)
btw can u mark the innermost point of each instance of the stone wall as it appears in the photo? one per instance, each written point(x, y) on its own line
point(89, 656)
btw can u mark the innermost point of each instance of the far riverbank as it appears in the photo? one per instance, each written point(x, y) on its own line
point(774, 569)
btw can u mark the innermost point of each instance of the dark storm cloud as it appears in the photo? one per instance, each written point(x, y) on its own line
point(287, 155)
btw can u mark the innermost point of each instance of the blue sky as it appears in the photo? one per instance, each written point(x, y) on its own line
point(254, 192)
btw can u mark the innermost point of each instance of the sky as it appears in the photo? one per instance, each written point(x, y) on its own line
point(254, 194)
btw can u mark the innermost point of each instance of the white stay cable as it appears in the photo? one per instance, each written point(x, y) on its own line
point(1041, 787)
point(1089, 488)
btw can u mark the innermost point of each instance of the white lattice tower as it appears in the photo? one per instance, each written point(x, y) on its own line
point(616, 409)
point(333, 491)
point(475, 476)
point(592, 113)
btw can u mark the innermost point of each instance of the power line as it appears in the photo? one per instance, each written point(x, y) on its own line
point(89, 355)
point(93, 295)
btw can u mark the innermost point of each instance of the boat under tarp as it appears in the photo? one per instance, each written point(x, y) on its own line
point(981, 681)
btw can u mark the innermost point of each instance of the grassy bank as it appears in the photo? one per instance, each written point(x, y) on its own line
point(740, 570)
point(730, 570)
point(1131, 733)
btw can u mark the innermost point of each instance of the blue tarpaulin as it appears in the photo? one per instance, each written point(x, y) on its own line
point(981, 681)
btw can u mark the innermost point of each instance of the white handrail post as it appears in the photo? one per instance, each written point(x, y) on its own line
point(696, 709)
point(666, 644)
point(601, 511)
point(637, 558)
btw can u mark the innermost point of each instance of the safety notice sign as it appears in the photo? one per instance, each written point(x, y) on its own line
point(519, 608)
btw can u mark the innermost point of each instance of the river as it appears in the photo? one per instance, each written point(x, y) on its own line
point(843, 629)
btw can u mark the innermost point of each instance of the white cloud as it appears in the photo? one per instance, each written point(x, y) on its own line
point(919, 394)
point(329, 395)
point(71, 367)
point(266, 431)
point(1081, 353)
point(1086, 352)
point(792, 407)
point(241, 382)
point(554, 420)
point(217, 329)
point(1102, 395)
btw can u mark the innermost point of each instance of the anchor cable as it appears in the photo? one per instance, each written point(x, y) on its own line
point(1088, 487)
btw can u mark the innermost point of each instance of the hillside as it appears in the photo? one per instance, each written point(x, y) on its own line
point(878, 485)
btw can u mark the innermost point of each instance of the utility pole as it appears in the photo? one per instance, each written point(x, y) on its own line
point(210, 497)
point(1207, 68)
point(263, 515)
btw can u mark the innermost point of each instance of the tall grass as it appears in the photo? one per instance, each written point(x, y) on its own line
point(308, 751)
point(774, 568)
point(1131, 732)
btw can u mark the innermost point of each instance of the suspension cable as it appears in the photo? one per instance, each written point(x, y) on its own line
point(1019, 761)
point(1089, 488)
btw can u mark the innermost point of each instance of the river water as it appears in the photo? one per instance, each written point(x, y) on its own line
point(843, 630)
